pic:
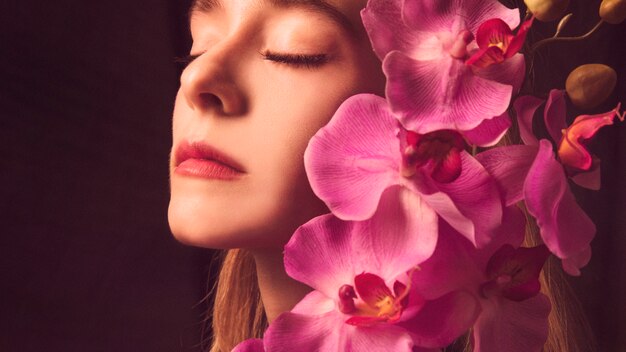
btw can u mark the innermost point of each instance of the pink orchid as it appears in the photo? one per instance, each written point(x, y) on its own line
point(531, 173)
point(362, 298)
point(424, 45)
point(364, 151)
point(572, 152)
point(582, 167)
point(496, 42)
point(503, 276)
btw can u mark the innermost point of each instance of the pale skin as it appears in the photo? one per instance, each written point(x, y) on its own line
point(266, 75)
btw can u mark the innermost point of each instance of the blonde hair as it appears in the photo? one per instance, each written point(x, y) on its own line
point(238, 312)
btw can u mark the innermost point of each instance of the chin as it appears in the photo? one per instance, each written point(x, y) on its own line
point(194, 226)
point(239, 215)
point(213, 224)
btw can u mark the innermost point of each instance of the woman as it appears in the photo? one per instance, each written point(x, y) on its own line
point(263, 77)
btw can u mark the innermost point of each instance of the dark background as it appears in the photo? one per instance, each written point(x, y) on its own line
point(87, 260)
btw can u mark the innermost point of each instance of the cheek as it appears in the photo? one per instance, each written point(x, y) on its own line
point(291, 118)
point(286, 110)
point(181, 119)
point(264, 208)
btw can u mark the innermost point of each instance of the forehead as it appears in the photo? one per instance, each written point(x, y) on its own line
point(344, 12)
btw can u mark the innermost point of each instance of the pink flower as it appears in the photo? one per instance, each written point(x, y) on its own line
point(571, 150)
point(582, 167)
point(532, 174)
point(513, 273)
point(362, 298)
point(496, 42)
point(364, 151)
point(439, 152)
point(424, 45)
point(503, 276)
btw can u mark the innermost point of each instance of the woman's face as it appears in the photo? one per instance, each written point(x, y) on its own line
point(268, 74)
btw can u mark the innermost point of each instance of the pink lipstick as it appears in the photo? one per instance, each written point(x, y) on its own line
point(202, 160)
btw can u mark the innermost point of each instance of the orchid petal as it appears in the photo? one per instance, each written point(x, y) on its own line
point(450, 268)
point(571, 151)
point(449, 168)
point(353, 159)
point(371, 288)
point(509, 166)
point(402, 234)
point(512, 326)
point(525, 108)
point(365, 320)
point(429, 15)
point(315, 254)
point(479, 11)
point(554, 114)
point(250, 345)
point(329, 332)
point(511, 71)
point(377, 338)
point(494, 32)
point(522, 266)
point(299, 332)
point(438, 16)
point(564, 226)
point(327, 253)
point(489, 132)
point(447, 210)
point(517, 42)
point(486, 57)
point(456, 263)
point(441, 321)
point(511, 233)
point(573, 263)
point(474, 194)
point(450, 96)
point(314, 303)
point(386, 31)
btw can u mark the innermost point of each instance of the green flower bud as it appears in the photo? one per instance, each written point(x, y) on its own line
point(547, 10)
point(589, 85)
point(613, 11)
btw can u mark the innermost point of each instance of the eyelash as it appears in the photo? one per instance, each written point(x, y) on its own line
point(184, 61)
point(295, 60)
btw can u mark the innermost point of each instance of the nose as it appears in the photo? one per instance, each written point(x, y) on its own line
point(209, 83)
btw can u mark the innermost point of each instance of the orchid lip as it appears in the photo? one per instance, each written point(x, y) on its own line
point(375, 302)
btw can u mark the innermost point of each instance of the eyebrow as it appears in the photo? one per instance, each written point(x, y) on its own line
point(319, 6)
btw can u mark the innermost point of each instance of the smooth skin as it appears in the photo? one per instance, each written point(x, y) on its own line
point(265, 76)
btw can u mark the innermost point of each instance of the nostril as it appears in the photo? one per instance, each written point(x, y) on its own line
point(209, 100)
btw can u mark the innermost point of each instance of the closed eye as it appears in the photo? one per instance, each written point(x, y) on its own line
point(297, 60)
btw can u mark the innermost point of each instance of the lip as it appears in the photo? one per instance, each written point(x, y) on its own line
point(200, 159)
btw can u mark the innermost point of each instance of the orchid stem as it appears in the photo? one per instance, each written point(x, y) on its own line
point(556, 38)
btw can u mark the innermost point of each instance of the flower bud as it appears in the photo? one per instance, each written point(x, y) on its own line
point(613, 11)
point(547, 10)
point(589, 85)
